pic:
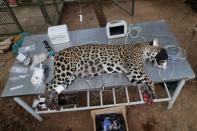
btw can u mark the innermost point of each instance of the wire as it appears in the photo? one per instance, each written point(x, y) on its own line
point(131, 29)
point(180, 55)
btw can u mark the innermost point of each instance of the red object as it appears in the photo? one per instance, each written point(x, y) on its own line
point(12, 2)
point(147, 100)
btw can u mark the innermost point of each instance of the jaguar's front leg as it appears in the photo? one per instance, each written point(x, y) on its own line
point(146, 86)
point(51, 94)
point(54, 88)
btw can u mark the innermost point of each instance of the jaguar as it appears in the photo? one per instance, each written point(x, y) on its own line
point(93, 60)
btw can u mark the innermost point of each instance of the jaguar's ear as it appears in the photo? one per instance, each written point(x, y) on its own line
point(156, 42)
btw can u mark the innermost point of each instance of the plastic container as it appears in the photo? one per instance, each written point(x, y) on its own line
point(58, 34)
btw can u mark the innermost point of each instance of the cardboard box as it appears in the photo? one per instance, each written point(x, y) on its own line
point(119, 110)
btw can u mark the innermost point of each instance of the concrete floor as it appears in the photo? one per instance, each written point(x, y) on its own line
point(182, 116)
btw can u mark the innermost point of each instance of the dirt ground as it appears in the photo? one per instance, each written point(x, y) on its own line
point(182, 116)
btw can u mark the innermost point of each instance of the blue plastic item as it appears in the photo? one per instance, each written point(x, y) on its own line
point(51, 53)
point(107, 124)
point(19, 43)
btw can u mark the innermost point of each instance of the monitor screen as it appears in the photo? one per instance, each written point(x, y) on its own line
point(116, 30)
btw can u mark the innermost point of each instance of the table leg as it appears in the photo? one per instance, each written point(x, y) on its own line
point(129, 11)
point(27, 108)
point(176, 93)
point(132, 7)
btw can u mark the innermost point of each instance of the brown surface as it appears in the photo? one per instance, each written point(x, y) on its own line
point(182, 116)
point(99, 13)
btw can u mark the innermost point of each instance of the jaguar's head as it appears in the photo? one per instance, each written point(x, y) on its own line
point(158, 55)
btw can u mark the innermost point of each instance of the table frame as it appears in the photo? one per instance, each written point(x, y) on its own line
point(169, 99)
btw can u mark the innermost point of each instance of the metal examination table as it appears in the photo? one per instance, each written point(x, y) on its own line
point(149, 31)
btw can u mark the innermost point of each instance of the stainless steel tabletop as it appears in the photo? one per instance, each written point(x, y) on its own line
point(149, 31)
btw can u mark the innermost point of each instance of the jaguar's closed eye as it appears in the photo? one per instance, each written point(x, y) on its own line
point(162, 61)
